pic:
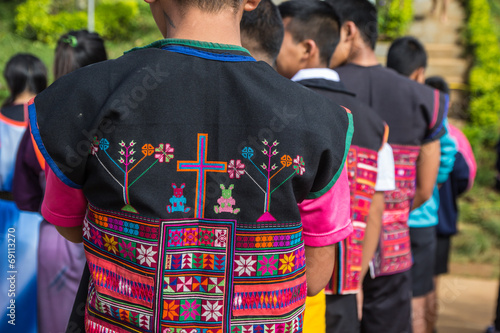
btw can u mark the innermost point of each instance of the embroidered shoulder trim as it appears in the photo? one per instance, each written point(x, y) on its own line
point(192, 43)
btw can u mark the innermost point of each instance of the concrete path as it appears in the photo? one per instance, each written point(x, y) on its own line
point(466, 305)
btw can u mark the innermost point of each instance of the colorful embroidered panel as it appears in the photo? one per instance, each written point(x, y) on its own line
point(362, 175)
point(195, 276)
point(394, 253)
point(189, 285)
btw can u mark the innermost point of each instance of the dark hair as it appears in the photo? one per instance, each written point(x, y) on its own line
point(24, 72)
point(262, 30)
point(406, 55)
point(315, 20)
point(77, 49)
point(211, 6)
point(364, 15)
point(437, 82)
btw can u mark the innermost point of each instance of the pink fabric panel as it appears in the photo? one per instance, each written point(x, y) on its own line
point(62, 205)
point(463, 146)
point(326, 220)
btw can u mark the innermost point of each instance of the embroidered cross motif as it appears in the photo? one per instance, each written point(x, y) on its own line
point(201, 166)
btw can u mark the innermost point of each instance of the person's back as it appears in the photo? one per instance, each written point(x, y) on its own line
point(192, 179)
point(415, 115)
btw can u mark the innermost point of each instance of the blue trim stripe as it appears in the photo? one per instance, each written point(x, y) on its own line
point(207, 55)
point(41, 147)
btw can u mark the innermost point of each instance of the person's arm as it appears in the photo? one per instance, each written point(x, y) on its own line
point(64, 207)
point(427, 171)
point(326, 221)
point(372, 231)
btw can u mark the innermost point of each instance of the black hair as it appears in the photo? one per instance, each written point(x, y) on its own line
point(77, 49)
point(262, 30)
point(364, 15)
point(24, 72)
point(439, 83)
point(315, 20)
point(210, 6)
point(406, 55)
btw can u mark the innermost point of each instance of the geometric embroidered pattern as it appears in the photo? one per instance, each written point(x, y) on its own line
point(394, 253)
point(269, 300)
point(290, 324)
point(362, 175)
point(194, 275)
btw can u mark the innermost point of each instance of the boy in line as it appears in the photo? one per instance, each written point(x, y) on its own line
point(312, 32)
point(460, 180)
point(415, 115)
point(181, 241)
point(262, 32)
point(408, 57)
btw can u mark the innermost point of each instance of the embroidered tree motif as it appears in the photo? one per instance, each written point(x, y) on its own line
point(127, 162)
point(226, 201)
point(178, 200)
point(268, 169)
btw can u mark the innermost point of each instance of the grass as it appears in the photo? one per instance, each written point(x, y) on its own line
point(11, 43)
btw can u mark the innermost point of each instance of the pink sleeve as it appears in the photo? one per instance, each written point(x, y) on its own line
point(326, 220)
point(62, 205)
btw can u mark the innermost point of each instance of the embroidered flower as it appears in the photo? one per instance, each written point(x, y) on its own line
point(96, 237)
point(286, 161)
point(245, 266)
point(94, 146)
point(86, 229)
point(170, 310)
point(299, 165)
point(247, 152)
point(164, 153)
point(207, 237)
point(148, 149)
point(235, 169)
point(212, 311)
point(287, 263)
point(110, 243)
point(104, 144)
point(146, 255)
point(190, 310)
point(268, 265)
point(220, 238)
point(127, 250)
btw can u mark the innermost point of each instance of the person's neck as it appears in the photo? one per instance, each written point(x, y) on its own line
point(23, 98)
point(222, 27)
point(363, 55)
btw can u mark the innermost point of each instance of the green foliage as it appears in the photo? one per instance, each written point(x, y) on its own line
point(394, 17)
point(484, 77)
point(45, 20)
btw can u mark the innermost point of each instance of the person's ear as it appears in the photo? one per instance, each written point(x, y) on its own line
point(250, 5)
point(351, 31)
point(309, 49)
point(419, 75)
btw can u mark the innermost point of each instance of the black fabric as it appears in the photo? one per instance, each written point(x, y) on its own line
point(341, 314)
point(156, 96)
point(406, 106)
point(423, 250)
point(455, 185)
point(76, 323)
point(14, 112)
point(387, 304)
point(369, 128)
point(442, 255)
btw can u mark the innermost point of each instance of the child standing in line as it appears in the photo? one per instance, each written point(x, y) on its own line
point(408, 57)
point(415, 115)
point(181, 241)
point(312, 32)
point(460, 180)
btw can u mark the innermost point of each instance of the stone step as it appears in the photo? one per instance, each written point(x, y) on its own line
point(437, 50)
